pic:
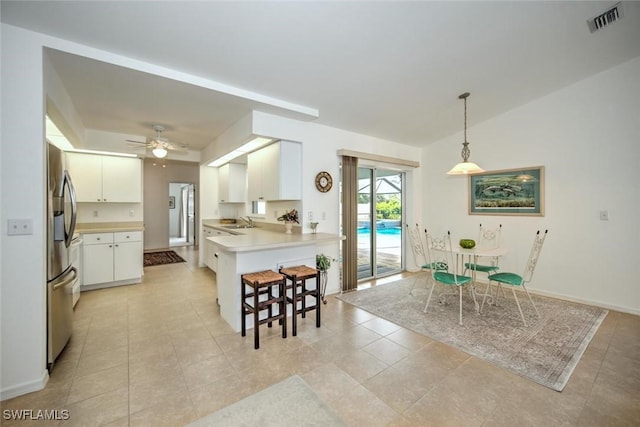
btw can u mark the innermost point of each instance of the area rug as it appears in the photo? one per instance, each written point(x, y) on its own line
point(162, 257)
point(288, 403)
point(547, 351)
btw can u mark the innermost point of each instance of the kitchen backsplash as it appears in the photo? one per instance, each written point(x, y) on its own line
point(109, 212)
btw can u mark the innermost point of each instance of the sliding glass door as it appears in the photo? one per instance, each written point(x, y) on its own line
point(380, 219)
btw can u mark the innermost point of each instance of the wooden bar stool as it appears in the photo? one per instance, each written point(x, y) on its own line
point(263, 283)
point(299, 292)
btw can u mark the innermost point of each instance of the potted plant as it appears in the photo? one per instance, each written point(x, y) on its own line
point(323, 263)
point(289, 218)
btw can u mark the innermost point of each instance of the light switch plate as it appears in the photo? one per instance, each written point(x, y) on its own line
point(17, 227)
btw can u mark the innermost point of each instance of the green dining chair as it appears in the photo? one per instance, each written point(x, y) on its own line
point(439, 257)
point(514, 280)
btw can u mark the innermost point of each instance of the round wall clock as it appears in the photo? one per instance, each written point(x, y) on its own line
point(324, 182)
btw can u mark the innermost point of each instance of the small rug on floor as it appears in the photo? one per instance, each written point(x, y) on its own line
point(547, 351)
point(162, 257)
point(288, 403)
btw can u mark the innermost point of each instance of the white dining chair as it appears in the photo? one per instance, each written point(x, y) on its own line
point(488, 238)
point(518, 281)
point(439, 257)
point(419, 255)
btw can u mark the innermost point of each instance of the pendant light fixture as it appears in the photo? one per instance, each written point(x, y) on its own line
point(465, 167)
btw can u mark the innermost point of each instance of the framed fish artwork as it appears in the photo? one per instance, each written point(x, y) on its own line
point(507, 192)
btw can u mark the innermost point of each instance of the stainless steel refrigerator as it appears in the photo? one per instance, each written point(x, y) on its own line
point(61, 275)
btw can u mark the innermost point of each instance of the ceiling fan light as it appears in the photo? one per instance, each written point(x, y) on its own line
point(465, 168)
point(159, 152)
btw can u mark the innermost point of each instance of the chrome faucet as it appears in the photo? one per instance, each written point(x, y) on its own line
point(248, 220)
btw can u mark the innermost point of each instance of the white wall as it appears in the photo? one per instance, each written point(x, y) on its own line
point(586, 136)
point(60, 108)
point(23, 280)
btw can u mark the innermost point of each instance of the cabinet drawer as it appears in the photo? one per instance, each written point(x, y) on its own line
point(127, 236)
point(97, 238)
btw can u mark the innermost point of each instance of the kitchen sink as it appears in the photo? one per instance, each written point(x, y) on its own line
point(235, 226)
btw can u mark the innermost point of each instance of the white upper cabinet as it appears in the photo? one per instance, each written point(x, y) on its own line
point(275, 172)
point(105, 178)
point(232, 183)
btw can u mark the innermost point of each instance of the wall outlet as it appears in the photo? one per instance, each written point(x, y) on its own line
point(324, 216)
point(132, 212)
point(17, 227)
point(310, 214)
point(604, 215)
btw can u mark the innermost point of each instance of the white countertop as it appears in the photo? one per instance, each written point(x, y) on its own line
point(256, 239)
point(108, 227)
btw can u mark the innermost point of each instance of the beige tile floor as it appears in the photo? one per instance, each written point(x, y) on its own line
point(158, 354)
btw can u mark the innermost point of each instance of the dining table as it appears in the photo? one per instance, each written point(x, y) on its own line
point(472, 256)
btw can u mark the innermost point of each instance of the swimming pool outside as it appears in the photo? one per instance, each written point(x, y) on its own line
point(389, 250)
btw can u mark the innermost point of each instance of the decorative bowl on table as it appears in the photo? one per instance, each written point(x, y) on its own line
point(467, 243)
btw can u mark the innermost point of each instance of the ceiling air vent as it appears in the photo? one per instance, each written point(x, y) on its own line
point(605, 19)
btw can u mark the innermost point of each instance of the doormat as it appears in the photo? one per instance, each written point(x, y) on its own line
point(546, 351)
point(160, 258)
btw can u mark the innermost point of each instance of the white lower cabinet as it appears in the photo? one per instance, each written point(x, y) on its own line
point(210, 248)
point(112, 259)
point(212, 256)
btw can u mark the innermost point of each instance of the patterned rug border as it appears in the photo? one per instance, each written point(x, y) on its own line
point(564, 357)
point(161, 258)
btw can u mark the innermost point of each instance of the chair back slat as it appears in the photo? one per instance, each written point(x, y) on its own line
point(538, 242)
point(419, 255)
point(489, 238)
point(440, 254)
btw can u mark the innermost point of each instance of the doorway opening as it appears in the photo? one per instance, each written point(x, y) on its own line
point(380, 218)
point(182, 212)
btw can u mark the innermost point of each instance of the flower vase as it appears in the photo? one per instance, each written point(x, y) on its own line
point(288, 226)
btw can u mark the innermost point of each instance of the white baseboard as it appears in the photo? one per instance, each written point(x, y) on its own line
point(24, 388)
point(600, 304)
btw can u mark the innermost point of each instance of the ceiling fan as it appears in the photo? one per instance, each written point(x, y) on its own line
point(159, 145)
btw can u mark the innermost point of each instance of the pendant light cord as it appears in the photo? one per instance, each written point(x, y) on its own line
point(465, 145)
point(465, 119)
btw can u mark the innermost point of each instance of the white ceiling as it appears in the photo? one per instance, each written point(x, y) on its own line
point(393, 70)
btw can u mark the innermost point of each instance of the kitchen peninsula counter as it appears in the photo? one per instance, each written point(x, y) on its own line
point(257, 249)
point(254, 239)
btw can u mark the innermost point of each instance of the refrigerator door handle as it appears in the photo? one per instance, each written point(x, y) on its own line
point(65, 281)
point(74, 211)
